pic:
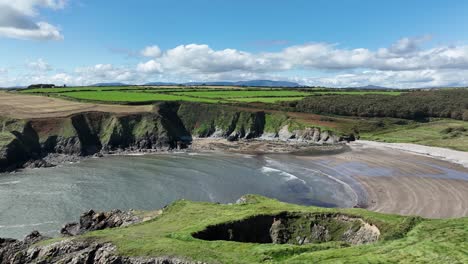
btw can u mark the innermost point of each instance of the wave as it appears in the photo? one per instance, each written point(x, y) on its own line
point(9, 183)
point(343, 183)
point(346, 185)
point(289, 176)
point(28, 225)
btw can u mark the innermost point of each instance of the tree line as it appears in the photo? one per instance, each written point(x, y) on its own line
point(449, 103)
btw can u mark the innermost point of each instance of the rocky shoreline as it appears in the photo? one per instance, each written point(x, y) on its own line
point(77, 251)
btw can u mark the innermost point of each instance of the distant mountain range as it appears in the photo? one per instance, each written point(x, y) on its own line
point(370, 87)
point(261, 83)
point(110, 84)
point(161, 83)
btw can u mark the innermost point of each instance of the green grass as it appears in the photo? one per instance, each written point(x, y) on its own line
point(70, 89)
point(358, 92)
point(434, 241)
point(5, 139)
point(244, 94)
point(132, 97)
point(432, 133)
point(265, 99)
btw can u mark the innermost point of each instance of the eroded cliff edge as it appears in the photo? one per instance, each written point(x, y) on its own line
point(32, 142)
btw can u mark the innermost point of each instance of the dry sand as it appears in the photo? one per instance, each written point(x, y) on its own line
point(34, 106)
point(455, 156)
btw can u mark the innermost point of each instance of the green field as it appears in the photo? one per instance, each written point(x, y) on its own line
point(131, 97)
point(357, 92)
point(244, 94)
point(264, 99)
point(72, 89)
point(402, 239)
point(148, 95)
point(206, 94)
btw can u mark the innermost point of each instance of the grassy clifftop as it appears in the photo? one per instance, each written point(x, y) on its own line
point(402, 239)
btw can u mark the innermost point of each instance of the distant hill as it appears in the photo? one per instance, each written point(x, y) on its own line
point(370, 87)
point(261, 83)
point(161, 83)
point(268, 83)
point(110, 84)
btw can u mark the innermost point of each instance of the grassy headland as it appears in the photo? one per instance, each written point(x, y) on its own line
point(402, 239)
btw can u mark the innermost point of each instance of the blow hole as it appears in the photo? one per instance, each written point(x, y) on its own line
point(294, 228)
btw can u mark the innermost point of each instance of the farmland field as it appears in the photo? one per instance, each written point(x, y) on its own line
point(265, 99)
point(358, 92)
point(72, 89)
point(203, 94)
point(122, 97)
point(244, 94)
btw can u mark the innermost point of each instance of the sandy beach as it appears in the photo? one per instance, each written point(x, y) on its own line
point(454, 156)
point(401, 182)
point(405, 179)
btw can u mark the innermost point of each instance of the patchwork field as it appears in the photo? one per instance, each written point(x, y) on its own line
point(204, 94)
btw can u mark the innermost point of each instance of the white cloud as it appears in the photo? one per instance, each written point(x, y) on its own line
point(149, 67)
point(194, 58)
point(39, 65)
point(29, 7)
point(401, 65)
point(44, 31)
point(404, 55)
point(17, 19)
point(151, 51)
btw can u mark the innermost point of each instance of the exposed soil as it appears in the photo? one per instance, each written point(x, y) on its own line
point(17, 105)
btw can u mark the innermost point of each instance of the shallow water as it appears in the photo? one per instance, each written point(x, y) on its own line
point(45, 199)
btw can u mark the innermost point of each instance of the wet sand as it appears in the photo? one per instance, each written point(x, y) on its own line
point(399, 182)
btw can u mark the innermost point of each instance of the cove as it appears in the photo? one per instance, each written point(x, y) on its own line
point(45, 199)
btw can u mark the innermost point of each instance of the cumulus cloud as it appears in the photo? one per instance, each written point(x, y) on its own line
point(151, 51)
point(404, 55)
point(404, 64)
point(39, 65)
point(149, 67)
point(195, 58)
point(17, 19)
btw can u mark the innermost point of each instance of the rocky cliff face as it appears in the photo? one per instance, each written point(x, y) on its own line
point(171, 126)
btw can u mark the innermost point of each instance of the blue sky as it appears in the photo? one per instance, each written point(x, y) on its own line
point(331, 43)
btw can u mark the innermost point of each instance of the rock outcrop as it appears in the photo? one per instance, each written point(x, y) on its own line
point(92, 220)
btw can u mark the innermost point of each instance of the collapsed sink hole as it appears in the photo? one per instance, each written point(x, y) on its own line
point(294, 228)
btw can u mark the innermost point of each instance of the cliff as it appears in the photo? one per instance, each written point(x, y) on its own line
point(169, 126)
